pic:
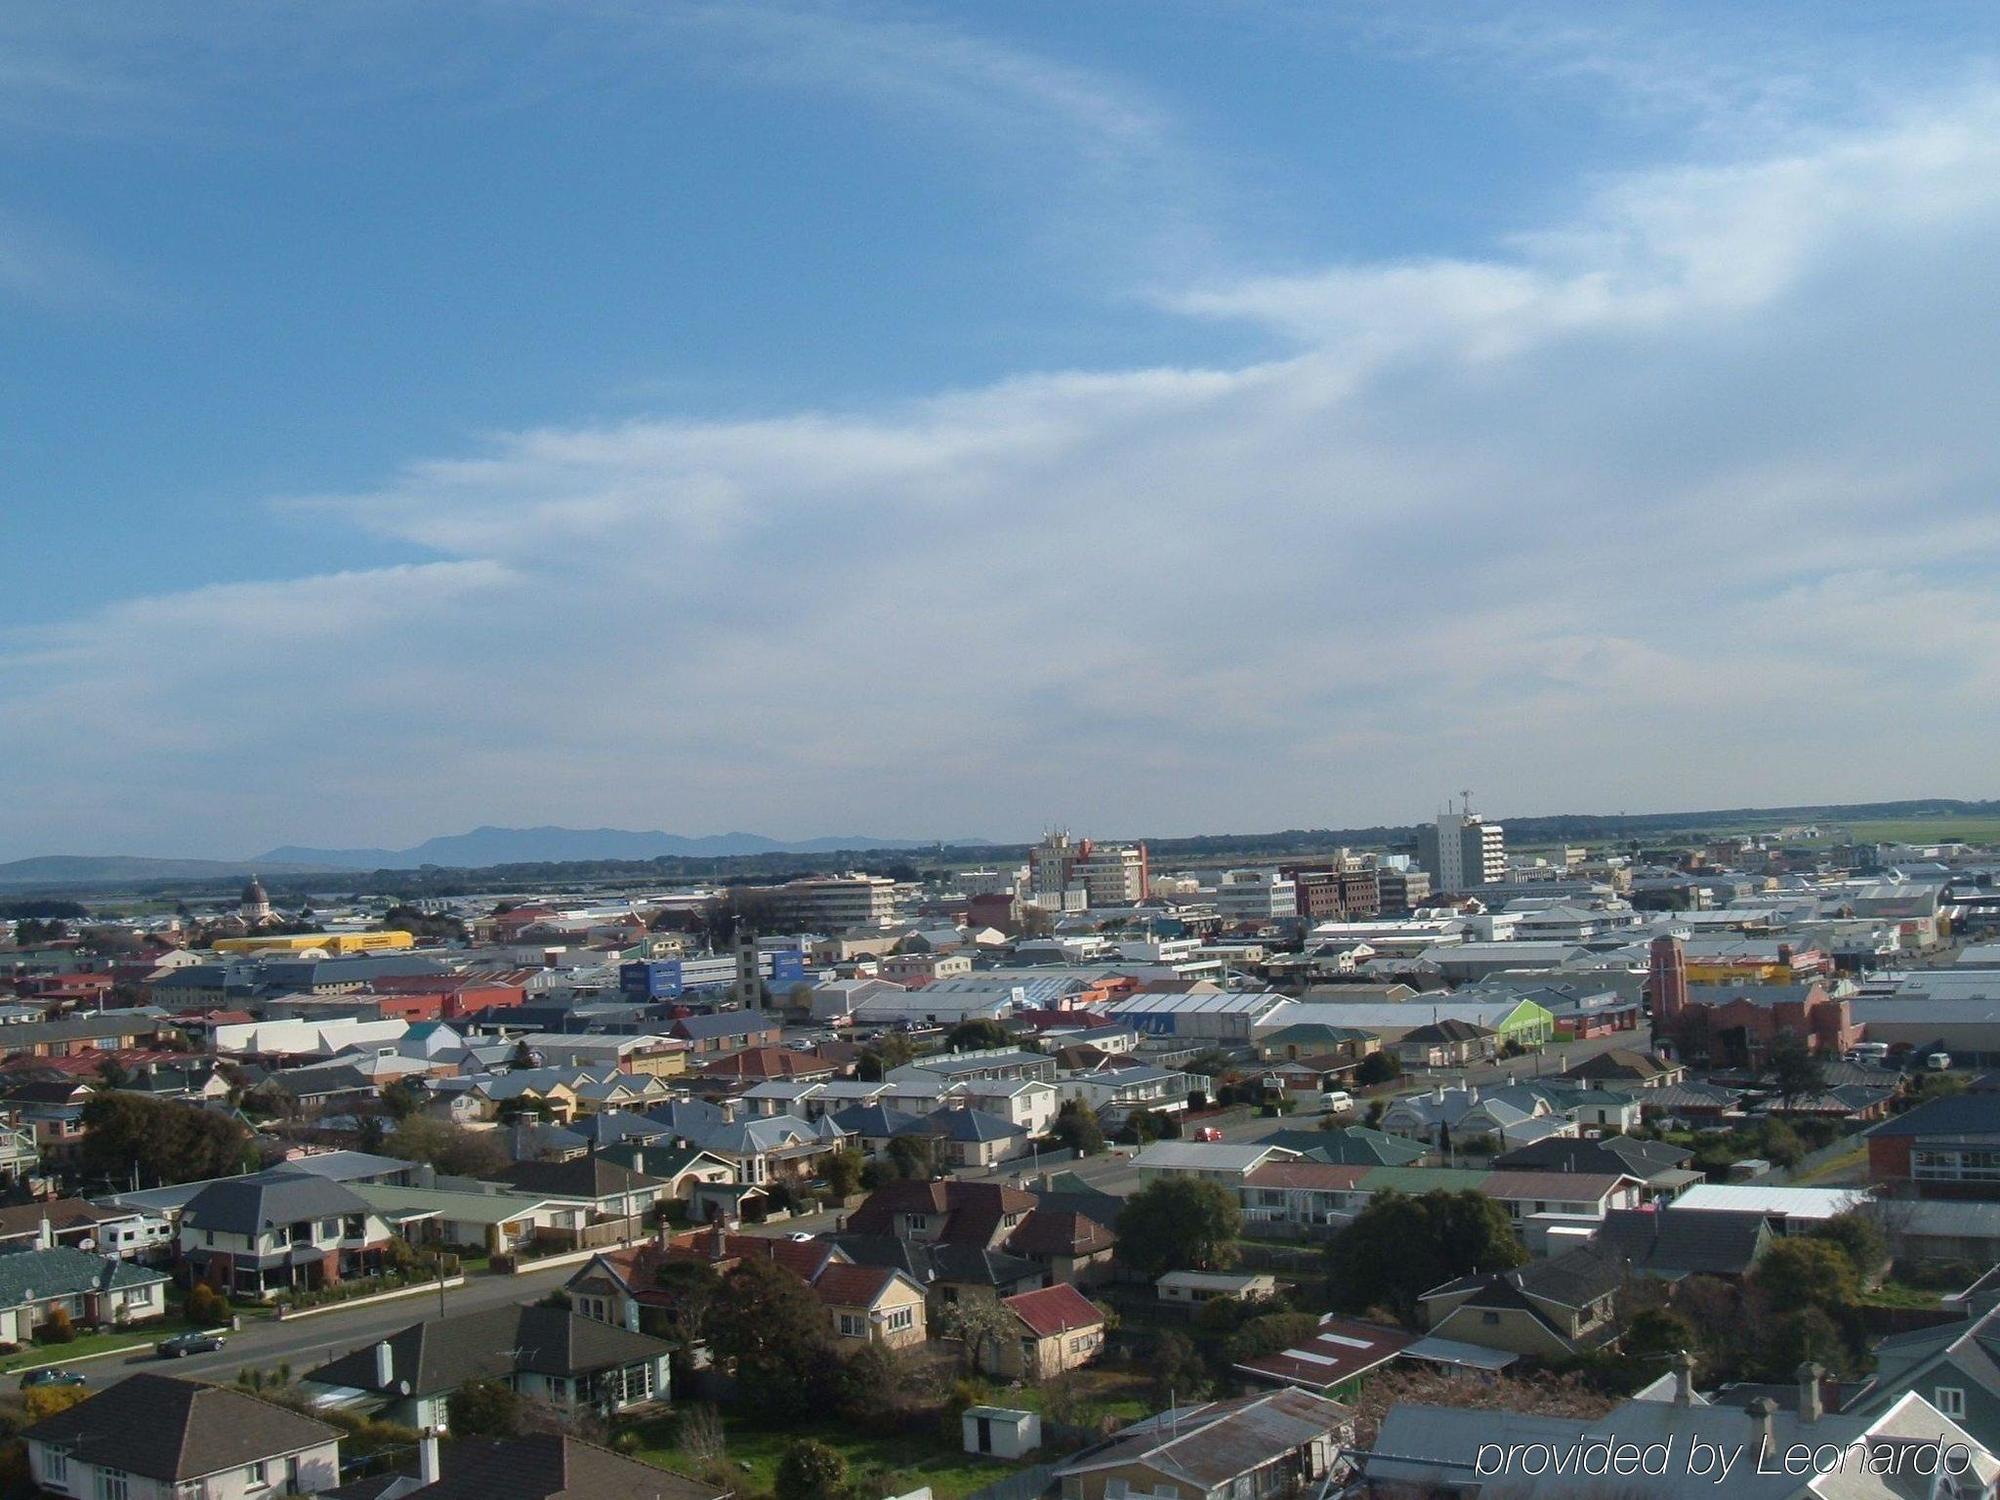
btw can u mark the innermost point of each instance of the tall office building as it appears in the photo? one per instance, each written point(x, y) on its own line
point(1462, 852)
point(1106, 874)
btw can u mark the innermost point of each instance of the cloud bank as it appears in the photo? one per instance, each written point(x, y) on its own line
point(1687, 499)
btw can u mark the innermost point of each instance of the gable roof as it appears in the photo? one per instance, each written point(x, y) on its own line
point(171, 1430)
point(579, 1177)
point(973, 1210)
point(1054, 1310)
point(1666, 1243)
point(1211, 1444)
point(63, 1271)
point(1340, 1350)
point(443, 1353)
point(550, 1466)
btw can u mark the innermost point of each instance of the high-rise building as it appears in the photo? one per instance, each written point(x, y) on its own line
point(1107, 874)
point(1255, 896)
point(1462, 851)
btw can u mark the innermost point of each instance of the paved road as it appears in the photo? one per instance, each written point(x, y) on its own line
point(305, 1342)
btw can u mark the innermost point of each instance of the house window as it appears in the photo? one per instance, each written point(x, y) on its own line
point(259, 1474)
point(900, 1319)
point(55, 1465)
point(113, 1485)
point(853, 1326)
point(919, 1222)
point(329, 1229)
point(1489, 1318)
point(1949, 1399)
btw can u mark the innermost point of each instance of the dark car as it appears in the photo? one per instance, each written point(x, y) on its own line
point(52, 1376)
point(181, 1345)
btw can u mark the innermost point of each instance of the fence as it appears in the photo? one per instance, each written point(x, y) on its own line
point(1025, 1485)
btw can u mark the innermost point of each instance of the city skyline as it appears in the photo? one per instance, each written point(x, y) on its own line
point(853, 417)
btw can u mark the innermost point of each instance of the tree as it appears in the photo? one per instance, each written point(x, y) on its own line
point(811, 1471)
point(979, 1325)
point(1378, 1067)
point(1860, 1239)
point(913, 1155)
point(522, 1057)
point(58, 1329)
point(692, 1287)
point(1399, 1247)
point(1653, 1337)
point(1803, 1272)
point(1078, 1128)
point(843, 1171)
point(771, 1325)
point(1176, 1366)
point(114, 1073)
point(975, 1036)
point(44, 1401)
point(1794, 1068)
point(1780, 1143)
point(402, 1099)
point(1179, 1224)
point(166, 1140)
point(484, 1408)
point(867, 1383)
point(1269, 1334)
point(451, 1149)
point(205, 1306)
point(889, 1050)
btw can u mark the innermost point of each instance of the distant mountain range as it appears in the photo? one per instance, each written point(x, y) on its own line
point(467, 851)
point(548, 845)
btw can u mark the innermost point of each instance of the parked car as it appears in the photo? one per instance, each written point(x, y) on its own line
point(1336, 1102)
point(1938, 1062)
point(1208, 1133)
point(181, 1345)
point(52, 1376)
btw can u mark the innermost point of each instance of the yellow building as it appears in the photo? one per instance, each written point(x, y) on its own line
point(333, 944)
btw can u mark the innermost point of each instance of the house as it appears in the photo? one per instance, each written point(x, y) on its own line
point(591, 1182)
point(550, 1353)
point(1352, 1145)
point(53, 1109)
point(1310, 1195)
point(1948, 1147)
point(1941, 1230)
point(1669, 1245)
point(91, 1289)
point(1189, 1289)
point(1117, 1093)
point(1068, 1244)
point(1055, 1329)
point(1350, 1044)
point(1274, 1443)
point(1447, 1043)
point(679, 1167)
point(1332, 1362)
point(1217, 1161)
point(973, 1138)
point(1626, 1067)
point(1791, 1210)
point(872, 1305)
point(1662, 1168)
point(1549, 1309)
point(268, 1232)
point(727, 1031)
point(543, 1466)
point(1453, 1117)
point(1955, 1367)
point(155, 1436)
point(496, 1223)
point(1432, 1451)
point(949, 1273)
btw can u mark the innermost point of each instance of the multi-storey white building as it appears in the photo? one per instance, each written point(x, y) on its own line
point(1255, 896)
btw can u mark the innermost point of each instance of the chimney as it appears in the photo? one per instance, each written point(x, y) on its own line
point(1811, 1406)
point(1684, 1379)
point(428, 1470)
point(718, 1242)
point(1760, 1412)
point(385, 1366)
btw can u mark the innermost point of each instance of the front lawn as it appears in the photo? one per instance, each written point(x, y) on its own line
point(1901, 1294)
point(33, 1356)
point(915, 1459)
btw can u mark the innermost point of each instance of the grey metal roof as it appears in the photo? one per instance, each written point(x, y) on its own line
point(173, 1430)
point(281, 1195)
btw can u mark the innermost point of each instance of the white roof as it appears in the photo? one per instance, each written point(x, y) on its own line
point(1207, 1156)
point(1749, 1198)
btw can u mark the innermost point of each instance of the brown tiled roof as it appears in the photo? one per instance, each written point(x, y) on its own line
point(973, 1210)
point(840, 1285)
point(1054, 1231)
point(1319, 1175)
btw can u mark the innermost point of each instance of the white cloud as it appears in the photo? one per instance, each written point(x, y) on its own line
point(1686, 501)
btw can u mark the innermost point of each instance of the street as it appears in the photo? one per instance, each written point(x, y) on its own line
point(304, 1343)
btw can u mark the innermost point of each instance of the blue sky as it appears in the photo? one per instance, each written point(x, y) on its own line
point(925, 420)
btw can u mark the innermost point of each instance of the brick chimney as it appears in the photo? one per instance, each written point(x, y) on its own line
point(1668, 981)
point(1811, 1405)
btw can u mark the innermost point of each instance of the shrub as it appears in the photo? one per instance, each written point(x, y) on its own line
point(811, 1471)
point(205, 1306)
point(59, 1329)
point(44, 1401)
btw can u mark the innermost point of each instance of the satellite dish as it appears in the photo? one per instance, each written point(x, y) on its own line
point(86, 1243)
point(402, 1387)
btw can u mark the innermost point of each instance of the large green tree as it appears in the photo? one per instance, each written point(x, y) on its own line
point(1179, 1224)
point(452, 1149)
point(1793, 1068)
point(1399, 1247)
point(1803, 1272)
point(769, 1323)
point(166, 1140)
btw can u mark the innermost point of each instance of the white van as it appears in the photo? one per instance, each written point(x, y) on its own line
point(1869, 1052)
point(1336, 1102)
point(1938, 1062)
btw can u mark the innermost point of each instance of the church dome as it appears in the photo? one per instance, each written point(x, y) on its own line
point(254, 894)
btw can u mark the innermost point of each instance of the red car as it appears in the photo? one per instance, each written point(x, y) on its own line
point(1208, 1133)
